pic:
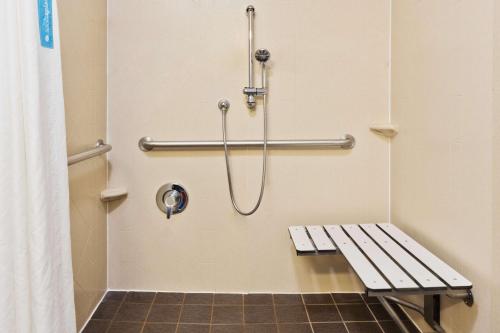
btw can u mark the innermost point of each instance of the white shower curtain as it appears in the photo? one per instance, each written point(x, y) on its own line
point(36, 283)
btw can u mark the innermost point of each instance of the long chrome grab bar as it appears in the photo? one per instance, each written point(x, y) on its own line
point(148, 144)
point(100, 148)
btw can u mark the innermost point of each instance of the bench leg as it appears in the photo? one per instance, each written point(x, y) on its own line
point(432, 309)
point(393, 314)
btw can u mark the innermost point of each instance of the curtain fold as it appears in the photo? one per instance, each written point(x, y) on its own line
point(36, 279)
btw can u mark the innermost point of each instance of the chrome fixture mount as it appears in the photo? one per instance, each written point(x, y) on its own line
point(224, 105)
point(99, 149)
point(171, 199)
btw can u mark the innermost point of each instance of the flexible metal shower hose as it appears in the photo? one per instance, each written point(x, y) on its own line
point(264, 154)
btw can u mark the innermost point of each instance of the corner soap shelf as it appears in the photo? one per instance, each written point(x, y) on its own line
point(112, 194)
point(387, 130)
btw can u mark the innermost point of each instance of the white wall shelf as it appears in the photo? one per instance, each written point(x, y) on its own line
point(387, 130)
point(112, 194)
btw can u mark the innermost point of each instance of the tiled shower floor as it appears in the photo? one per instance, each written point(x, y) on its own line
point(141, 312)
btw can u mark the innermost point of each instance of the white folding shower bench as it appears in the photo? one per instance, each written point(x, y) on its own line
point(389, 263)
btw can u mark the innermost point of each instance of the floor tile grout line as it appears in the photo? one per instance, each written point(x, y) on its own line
point(363, 321)
point(180, 313)
point(340, 321)
point(148, 312)
point(211, 314)
point(275, 314)
point(198, 324)
point(243, 310)
point(373, 314)
point(116, 313)
point(340, 314)
point(349, 303)
point(307, 312)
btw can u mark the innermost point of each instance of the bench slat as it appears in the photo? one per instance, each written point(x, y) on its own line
point(396, 276)
point(301, 240)
point(363, 268)
point(422, 275)
point(443, 270)
point(320, 238)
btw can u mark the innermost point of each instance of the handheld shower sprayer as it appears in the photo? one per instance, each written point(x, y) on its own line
point(262, 56)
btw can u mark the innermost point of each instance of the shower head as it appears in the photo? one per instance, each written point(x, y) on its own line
point(262, 55)
point(250, 9)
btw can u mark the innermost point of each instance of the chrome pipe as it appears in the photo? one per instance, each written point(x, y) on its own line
point(393, 314)
point(100, 148)
point(407, 304)
point(148, 144)
point(251, 15)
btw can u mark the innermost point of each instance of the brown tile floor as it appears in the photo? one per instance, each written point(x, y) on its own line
point(148, 312)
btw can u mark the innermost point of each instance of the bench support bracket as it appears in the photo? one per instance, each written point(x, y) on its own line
point(432, 311)
point(393, 314)
point(466, 296)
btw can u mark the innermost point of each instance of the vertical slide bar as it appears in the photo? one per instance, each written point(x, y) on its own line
point(251, 15)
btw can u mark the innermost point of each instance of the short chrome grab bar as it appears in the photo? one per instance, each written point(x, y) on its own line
point(148, 144)
point(100, 148)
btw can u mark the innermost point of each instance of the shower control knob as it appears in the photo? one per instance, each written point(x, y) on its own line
point(262, 55)
point(171, 199)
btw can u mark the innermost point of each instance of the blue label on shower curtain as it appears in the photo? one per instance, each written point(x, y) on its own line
point(45, 23)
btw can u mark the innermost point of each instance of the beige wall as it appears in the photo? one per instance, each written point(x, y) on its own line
point(169, 63)
point(83, 44)
point(441, 162)
point(496, 166)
